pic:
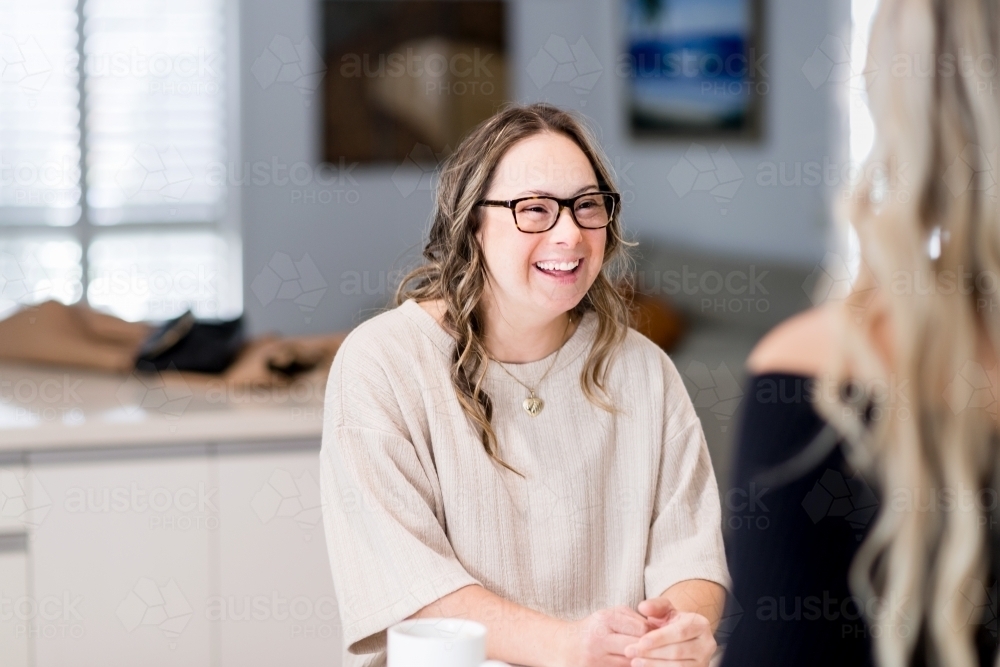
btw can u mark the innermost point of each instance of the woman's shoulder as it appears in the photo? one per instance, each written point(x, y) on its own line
point(801, 345)
point(638, 347)
point(391, 337)
point(647, 362)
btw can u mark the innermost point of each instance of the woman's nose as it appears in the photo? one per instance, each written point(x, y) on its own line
point(565, 230)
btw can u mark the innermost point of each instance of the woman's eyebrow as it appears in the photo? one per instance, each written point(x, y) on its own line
point(545, 193)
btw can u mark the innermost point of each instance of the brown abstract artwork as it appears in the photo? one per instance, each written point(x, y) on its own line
point(407, 76)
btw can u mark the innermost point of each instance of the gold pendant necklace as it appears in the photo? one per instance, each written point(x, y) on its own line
point(533, 404)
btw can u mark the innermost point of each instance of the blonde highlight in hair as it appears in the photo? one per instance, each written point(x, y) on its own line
point(455, 270)
point(919, 558)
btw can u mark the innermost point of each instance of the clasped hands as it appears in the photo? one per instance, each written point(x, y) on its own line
point(657, 634)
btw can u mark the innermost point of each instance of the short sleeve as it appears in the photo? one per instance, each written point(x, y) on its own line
point(387, 545)
point(685, 540)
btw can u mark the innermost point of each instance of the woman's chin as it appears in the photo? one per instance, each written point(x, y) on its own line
point(557, 304)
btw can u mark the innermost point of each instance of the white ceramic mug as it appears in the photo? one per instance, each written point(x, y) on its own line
point(439, 642)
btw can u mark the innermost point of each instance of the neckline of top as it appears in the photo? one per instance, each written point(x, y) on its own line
point(570, 350)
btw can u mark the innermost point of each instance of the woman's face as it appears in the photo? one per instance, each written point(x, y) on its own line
point(543, 164)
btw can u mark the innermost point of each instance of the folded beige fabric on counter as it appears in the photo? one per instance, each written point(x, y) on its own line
point(52, 333)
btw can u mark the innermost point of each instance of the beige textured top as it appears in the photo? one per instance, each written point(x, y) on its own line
point(612, 510)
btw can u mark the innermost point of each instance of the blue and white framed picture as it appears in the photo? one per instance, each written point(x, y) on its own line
point(694, 67)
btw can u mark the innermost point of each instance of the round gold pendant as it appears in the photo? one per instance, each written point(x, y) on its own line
point(533, 405)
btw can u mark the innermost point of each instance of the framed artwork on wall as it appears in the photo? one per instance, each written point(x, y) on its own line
point(694, 68)
point(409, 75)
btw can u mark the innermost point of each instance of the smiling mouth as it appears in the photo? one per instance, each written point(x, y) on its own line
point(559, 268)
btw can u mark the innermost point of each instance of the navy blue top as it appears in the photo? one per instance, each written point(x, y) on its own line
point(790, 540)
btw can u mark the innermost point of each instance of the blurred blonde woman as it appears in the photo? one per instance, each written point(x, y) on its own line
point(502, 447)
point(904, 370)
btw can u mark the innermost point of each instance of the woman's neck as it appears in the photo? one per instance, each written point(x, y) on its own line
point(515, 342)
point(512, 339)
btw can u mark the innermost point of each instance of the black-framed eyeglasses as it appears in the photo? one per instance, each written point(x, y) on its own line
point(537, 214)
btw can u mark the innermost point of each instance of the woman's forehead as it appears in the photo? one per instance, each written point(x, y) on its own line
point(546, 162)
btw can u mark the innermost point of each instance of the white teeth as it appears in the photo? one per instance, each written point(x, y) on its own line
point(558, 266)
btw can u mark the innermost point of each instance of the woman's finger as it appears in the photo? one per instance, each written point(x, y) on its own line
point(625, 621)
point(681, 629)
point(615, 644)
point(700, 648)
point(658, 607)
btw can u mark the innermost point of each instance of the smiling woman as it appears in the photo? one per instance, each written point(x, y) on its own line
point(502, 447)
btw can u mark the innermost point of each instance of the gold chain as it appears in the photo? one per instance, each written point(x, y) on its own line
point(533, 405)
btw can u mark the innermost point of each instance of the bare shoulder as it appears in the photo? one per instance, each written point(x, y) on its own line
point(801, 344)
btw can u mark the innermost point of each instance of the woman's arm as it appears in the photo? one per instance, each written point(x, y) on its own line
point(523, 636)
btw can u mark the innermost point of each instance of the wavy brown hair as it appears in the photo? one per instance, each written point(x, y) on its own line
point(923, 219)
point(455, 269)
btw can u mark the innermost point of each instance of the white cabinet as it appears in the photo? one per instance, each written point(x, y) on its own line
point(125, 554)
point(206, 556)
point(277, 605)
point(20, 510)
point(16, 605)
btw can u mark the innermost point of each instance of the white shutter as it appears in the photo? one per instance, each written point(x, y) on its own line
point(153, 233)
point(155, 109)
point(39, 118)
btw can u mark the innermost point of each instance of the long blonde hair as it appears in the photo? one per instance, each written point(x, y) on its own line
point(455, 269)
point(930, 250)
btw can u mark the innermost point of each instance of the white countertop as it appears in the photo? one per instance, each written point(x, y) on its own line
point(44, 407)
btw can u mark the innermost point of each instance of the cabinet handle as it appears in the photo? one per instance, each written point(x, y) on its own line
point(10, 542)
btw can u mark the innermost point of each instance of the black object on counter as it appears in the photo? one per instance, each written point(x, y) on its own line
point(186, 344)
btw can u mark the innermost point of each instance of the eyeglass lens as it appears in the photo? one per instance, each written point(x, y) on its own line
point(592, 211)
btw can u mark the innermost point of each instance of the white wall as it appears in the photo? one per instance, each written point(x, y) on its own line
point(362, 225)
